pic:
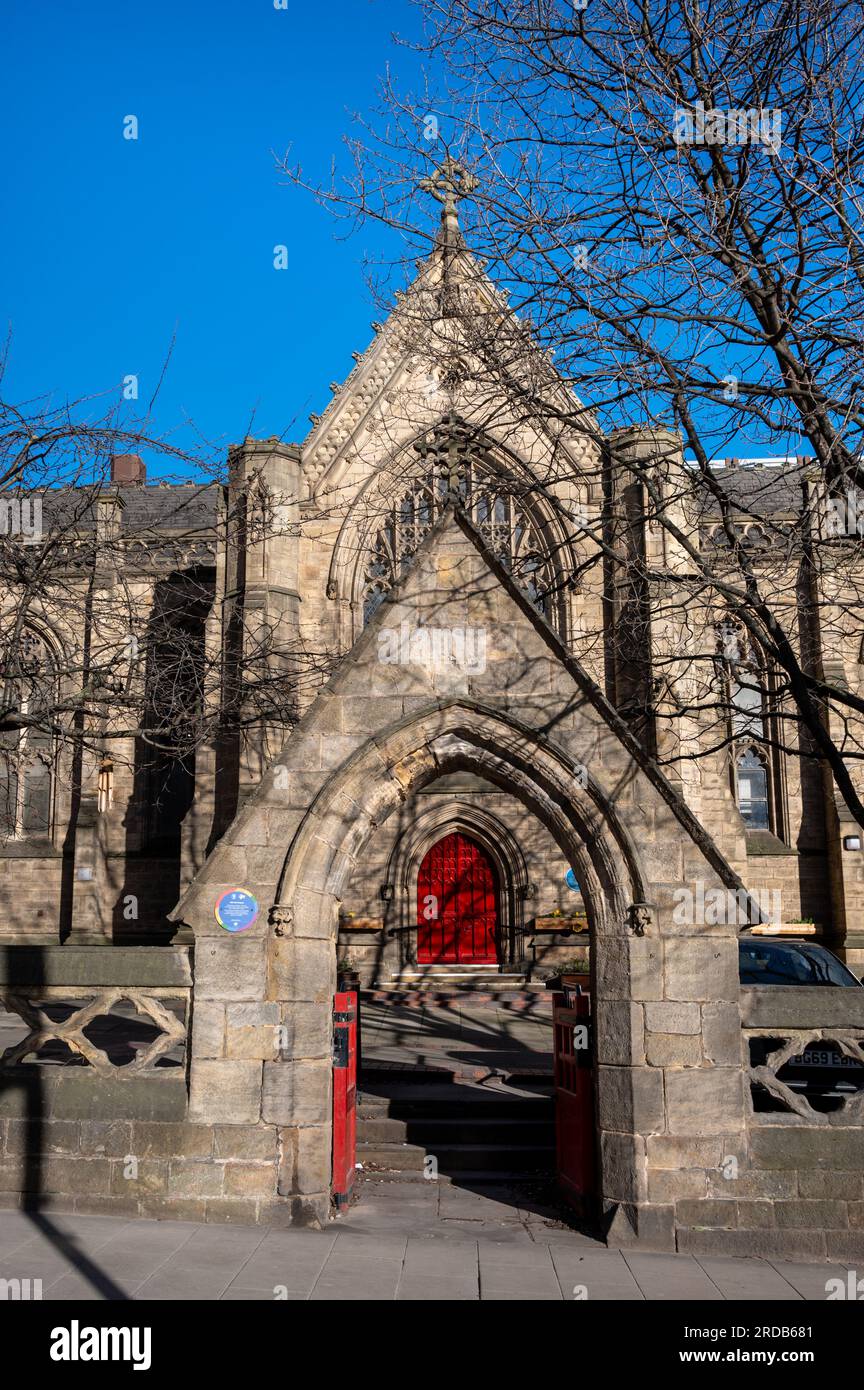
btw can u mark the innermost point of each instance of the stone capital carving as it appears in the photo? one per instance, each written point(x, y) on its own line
point(281, 918)
point(640, 918)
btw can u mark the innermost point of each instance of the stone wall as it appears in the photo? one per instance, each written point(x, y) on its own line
point(670, 1076)
point(140, 1167)
point(377, 734)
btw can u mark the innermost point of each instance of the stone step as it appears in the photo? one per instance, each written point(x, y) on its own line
point(457, 1072)
point(442, 1114)
point(464, 1178)
point(448, 987)
point(459, 1158)
point(394, 1157)
point(479, 992)
point(400, 1093)
point(462, 976)
point(447, 1102)
point(454, 968)
point(431, 1131)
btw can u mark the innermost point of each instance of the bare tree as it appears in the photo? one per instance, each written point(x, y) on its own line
point(671, 195)
point(116, 645)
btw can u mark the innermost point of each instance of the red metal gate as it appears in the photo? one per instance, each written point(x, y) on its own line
point(344, 1096)
point(457, 896)
point(574, 1099)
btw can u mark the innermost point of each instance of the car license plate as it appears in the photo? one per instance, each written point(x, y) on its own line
point(819, 1057)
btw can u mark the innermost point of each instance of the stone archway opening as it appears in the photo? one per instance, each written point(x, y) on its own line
point(454, 805)
point(330, 850)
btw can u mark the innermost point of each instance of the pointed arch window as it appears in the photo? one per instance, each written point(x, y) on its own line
point(27, 744)
point(747, 705)
point(498, 508)
point(751, 789)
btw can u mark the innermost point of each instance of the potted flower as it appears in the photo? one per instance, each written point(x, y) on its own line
point(572, 973)
point(347, 974)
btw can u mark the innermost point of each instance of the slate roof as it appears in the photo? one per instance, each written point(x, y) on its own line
point(760, 489)
point(190, 506)
point(180, 507)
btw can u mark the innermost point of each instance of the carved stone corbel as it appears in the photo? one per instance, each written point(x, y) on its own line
point(281, 918)
point(640, 918)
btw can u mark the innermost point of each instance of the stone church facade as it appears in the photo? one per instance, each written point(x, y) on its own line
point(429, 561)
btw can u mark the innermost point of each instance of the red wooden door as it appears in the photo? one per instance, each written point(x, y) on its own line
point(457, 903)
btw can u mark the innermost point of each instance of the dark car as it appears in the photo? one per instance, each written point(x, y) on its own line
point(822, 1072)
point(776, 961)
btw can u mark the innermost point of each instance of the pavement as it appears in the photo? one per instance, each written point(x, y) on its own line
point(466, 1036)
point(398, 1243)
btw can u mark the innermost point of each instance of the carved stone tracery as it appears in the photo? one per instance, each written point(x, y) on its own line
point(453, 469)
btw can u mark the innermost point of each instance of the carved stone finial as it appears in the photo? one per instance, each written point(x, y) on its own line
point(281, 917)
point(639, 917)
point(450, 183)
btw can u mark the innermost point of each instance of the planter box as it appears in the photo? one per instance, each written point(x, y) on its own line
point(790, 929)
point(361, 924)
point(570, 925)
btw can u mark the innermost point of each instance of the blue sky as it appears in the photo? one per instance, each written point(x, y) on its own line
point(111, 246)
point(108, 245)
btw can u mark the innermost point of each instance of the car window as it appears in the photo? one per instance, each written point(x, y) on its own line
point(788, 963)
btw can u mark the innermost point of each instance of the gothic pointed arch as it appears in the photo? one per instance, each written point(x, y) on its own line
point(455, 462)
point(29, 677)
point(748, 700)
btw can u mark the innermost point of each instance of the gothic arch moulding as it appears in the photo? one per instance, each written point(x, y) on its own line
point(399, 505)
point(459, 736)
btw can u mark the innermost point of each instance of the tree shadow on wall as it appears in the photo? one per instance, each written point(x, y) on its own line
point(25, 1098)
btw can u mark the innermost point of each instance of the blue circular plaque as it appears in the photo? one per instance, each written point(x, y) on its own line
point(236, 910)
point(572, 881)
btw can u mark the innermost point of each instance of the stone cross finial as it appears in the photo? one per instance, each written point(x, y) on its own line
point(450, 183)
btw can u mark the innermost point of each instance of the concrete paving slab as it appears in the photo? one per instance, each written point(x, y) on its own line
point(292, 1264)
point(517, 1272)
point(481, 1205)
point(401, 1242)
point(437, 1290)
point(240, 1294)
point(369, 1269)
point(432, 1267)
point(73, 1287)
point(594, 1275)
point(809, 1280)
point(747, 1279)
point(214, 1244)
point(184, 1285)
point(512, 1234)
point(46, 1264)
point(667, 1277)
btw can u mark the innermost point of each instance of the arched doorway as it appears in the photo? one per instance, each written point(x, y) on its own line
point(457, 903)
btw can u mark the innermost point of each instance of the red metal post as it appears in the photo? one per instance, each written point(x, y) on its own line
point(344, 1096)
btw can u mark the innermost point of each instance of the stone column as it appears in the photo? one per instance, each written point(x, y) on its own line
point(262, 601)
point(92, 891)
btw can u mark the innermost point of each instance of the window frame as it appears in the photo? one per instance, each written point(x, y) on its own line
point(750, 671)
point(26, 748)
